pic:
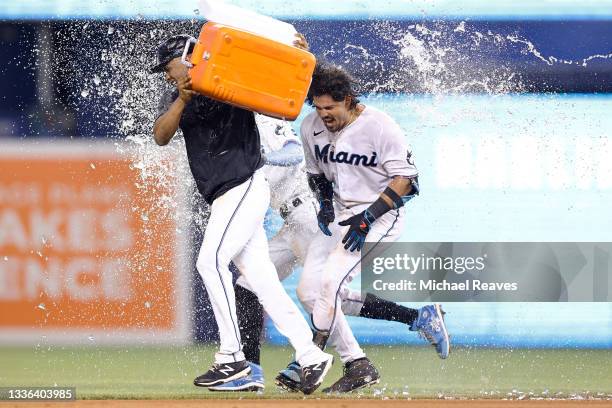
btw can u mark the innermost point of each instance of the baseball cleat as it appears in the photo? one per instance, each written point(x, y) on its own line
point(254, 381)
point(289, 378)
point(358, 374)
point(430, 324)
point(312, 375)
point(221, 373)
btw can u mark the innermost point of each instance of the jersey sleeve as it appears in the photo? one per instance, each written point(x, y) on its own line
point(395, 154)
point(310, 164)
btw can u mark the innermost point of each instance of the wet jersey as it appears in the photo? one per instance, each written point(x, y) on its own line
point(222, 142)
point(360, 159)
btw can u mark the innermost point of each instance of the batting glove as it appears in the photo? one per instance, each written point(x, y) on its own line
point(325, 216)
point(359, 226)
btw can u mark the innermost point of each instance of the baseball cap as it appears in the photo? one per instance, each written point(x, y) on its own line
point(169, 49)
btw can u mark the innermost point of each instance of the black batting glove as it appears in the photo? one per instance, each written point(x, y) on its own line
point(325, 216)
point(359, 226)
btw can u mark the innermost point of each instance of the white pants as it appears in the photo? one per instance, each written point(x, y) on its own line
point(329, 268)
point(235, 233)
point(290, 246)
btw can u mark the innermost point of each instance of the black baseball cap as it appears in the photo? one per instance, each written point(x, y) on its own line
point(169, 49)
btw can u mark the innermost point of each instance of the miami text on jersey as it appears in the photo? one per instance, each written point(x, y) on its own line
point(344, 157)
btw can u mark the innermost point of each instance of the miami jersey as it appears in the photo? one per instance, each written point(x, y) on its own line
point(360, 159)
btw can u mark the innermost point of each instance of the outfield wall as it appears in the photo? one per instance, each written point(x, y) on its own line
point(86, 255)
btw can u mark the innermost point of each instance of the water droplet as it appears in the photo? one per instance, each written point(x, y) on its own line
point(93, 166)
point(91, 338)
point(85, 93)
point(147, 305)
point(111, 30)
point(96, 80)
point(42, 306)
point(144, 217)
point(196, 12)
point(6, 258)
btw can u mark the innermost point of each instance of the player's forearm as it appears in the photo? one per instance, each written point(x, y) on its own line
point(167, 124)
point(322, 187)
point(290, 155)
point(402, 186)
point(398, 191)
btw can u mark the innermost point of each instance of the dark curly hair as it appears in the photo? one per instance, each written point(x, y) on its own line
point(329, 79)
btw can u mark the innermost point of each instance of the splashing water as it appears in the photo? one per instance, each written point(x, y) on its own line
point(123, 91)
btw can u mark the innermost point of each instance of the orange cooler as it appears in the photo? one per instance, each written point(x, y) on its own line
point(250, 71)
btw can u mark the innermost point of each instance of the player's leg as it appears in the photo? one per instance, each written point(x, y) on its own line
point(248, 307)
point(250, 322)
point(374, 307)
point(307, 291)
point(233, 220)
point(263, 280)
point(281, 252)
point(428, 320)
point(313, 288)
point(338, 270)
point(251, 317)
point(342, 338)
point(255, 265)
point(341, 267)
point(301, 235)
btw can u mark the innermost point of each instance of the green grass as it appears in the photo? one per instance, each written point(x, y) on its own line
point(414, 372)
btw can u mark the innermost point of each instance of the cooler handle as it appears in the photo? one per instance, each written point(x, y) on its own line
point(184, 60)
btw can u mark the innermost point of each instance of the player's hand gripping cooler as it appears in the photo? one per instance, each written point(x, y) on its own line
point(250, 71)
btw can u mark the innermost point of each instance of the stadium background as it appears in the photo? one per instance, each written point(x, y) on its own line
point(507, 108)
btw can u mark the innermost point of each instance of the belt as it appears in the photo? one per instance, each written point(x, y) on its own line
point(285, 209)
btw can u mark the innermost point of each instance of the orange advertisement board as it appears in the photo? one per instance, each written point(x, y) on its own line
point(84, 255)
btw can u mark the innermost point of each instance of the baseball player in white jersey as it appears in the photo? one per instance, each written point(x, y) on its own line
point(361, 169)
point(293, 200)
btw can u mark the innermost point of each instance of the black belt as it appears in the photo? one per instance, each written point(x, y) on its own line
point(284, 209)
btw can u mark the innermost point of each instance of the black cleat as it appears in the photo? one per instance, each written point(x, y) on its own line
point(312, 376)
point(357, 374)
point(289, 378)
point(222, 373)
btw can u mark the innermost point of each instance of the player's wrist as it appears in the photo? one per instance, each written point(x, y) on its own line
point(180, 102)
point(388, 200)
point(326, 202)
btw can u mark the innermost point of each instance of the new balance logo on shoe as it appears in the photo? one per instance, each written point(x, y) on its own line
point(223, 373)
point(226, 370)
point(312, 375)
